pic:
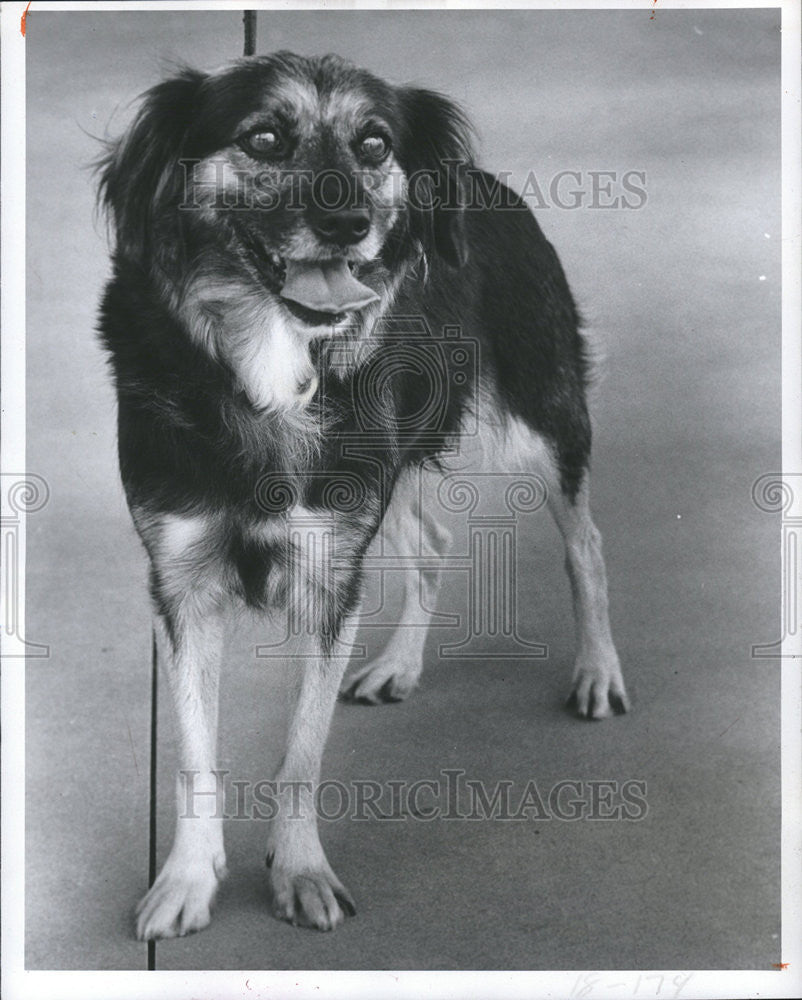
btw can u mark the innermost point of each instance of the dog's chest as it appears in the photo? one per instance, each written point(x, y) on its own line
point(266, 560)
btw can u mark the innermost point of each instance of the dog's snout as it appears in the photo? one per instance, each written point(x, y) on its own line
point(345, 226)
point(338, 213)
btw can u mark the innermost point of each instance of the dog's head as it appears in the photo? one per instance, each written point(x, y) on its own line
point(318, 180)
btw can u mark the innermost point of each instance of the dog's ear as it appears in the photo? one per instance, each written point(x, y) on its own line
point(140, 174)
point(438, 154)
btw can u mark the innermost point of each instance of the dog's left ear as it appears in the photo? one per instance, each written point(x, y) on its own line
point(438, 154)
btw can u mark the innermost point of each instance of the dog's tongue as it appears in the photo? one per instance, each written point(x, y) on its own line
point(325, 286)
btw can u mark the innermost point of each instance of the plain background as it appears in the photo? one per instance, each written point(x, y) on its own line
point(684, 296)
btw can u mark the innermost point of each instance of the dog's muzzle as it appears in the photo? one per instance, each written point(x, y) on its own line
point(322, 288)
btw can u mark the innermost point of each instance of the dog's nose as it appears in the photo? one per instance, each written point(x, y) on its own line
point(344, 226)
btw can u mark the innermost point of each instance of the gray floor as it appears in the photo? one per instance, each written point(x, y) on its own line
point(685, 296)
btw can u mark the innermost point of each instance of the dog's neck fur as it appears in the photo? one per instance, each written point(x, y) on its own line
point(238, 322)
point(251, 334)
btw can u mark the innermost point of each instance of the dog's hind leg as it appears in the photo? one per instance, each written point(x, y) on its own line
point(598, 686)
point(189, 624)
point(408, 531)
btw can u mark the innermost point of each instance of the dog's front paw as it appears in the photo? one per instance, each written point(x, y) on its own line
point(385, 679)
point(599, 690)
point(313, 898)
point(179, 901)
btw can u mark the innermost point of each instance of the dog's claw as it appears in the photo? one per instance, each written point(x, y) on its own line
point(619, 703)
point(383, 681)
point(346, 901)
point(313, 899)
point(598, 695)
point(178, 903)
point(390, 691)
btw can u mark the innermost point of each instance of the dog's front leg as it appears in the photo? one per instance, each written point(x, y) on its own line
point(190, 646)
point(304, 888)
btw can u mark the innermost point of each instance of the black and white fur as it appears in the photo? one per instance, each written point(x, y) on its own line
point(233, 412)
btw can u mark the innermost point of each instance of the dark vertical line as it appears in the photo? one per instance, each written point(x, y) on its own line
point(249, 21)
point(154, 716)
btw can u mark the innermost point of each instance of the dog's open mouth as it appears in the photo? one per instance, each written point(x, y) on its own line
point(317, 292)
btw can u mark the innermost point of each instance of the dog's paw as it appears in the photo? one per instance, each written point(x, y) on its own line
point(385, 679)
point(598, 691)
point(313, 898)
point(179, 901)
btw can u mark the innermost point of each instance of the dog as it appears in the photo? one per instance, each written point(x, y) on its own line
point(272, 222)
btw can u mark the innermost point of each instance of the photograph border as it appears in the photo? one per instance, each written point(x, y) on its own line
point(19, 983)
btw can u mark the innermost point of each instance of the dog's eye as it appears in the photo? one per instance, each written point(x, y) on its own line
point(265, 143)
point(375, 147)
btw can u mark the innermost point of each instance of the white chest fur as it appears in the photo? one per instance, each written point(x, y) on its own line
point(267, 350)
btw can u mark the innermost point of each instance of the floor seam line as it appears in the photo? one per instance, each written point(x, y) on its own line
point(154, 712)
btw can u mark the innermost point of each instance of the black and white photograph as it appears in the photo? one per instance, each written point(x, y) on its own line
point(401, 500)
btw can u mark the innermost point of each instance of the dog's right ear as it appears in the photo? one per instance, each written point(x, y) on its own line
point(438, 153)
point(140, 174)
